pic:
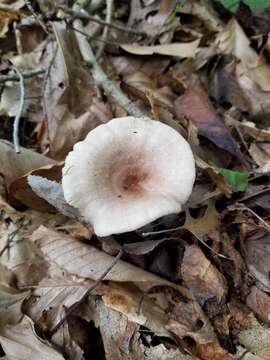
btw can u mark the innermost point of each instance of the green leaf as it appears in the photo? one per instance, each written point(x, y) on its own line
point(257, 4)
point(237, 180)
point(232, 5)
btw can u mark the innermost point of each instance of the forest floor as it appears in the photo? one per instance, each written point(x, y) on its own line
point(194, 285)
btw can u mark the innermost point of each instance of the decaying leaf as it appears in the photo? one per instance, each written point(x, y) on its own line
point(204, 225)
point(257, 340)
point(52, 193)
point(193, 286)
point(20, 189)
point(87, 261)
point(202, 278)
point(69, 120)
point(259, 302)
point(10, 301)
point(182, 50)
point(257, 250)
point(21, 342)
point(51, 296)
point(196, 107)
point(234, 41)
point(13, 166)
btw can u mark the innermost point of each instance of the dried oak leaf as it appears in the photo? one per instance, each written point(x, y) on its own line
point(195, 106)
point(225, 89)
point(21, 342)
point(202, 277)
point(257, 256)
point(259, 302)
point(86, 261)
point(21, 190)
point(13, 166)
point(71, 106)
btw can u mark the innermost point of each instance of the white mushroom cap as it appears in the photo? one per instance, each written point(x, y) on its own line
point(127, 173)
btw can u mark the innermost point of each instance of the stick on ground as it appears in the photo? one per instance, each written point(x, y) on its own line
point(16, 125)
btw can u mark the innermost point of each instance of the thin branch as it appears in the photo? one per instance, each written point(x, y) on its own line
point(26, 74)
point(18, 38)
point(19, 114)
point(44, 87)
point(109, 4)
point(85, 16)
point(73, 307)
point(99, 75)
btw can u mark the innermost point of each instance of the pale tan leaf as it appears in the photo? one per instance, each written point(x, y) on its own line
point(10, 299)
point(20, 342)
point(233, 40)
point(261, 158)
point(12, 4)
point(13, 165)
point(87, 261)
point(127, 299)
point(21, 190)
point(256, 340)
point(182, 50)
point(62, 339)
point(51, 296)
point(202, 277)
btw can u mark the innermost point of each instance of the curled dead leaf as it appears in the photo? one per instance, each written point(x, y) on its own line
point(195, 106)
point(202, 277)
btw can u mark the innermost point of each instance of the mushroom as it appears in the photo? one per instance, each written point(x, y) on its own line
point(127, 173)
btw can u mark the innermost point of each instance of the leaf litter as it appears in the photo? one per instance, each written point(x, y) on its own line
point(189, 286)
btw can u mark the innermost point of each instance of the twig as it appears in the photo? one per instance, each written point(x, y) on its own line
point(84, 16)
point(10, 238)
point(36, 16)
point(93, 38)
point(18, 38)
point(19, 114)
point(109, 5)
point(43, 91)
point(85, 296)
point(26, 74)
point(99, 75)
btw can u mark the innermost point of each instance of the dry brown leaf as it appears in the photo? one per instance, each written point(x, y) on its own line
point(51, 295)
point(12, 5)
point(71, 106)
point(261, 157)
point(21, 190)
point(63, 340)
point(13, 166)
point(19, 254)
point(204, 225)
point(257, 256)
point(187, 321)
point(202, 277)
point(87, 261)
point(249, 128)
point(182, 50)
point(256, 340)
point(216, 177)
point(196, 107)
point(10, 300)
point(151, 17)
point(20, 342)
point(233, 40)
point(126, 65)
point(118, 332)
point(259, 302)
point(137, 306)
point(224, 88)
point(6, 17)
